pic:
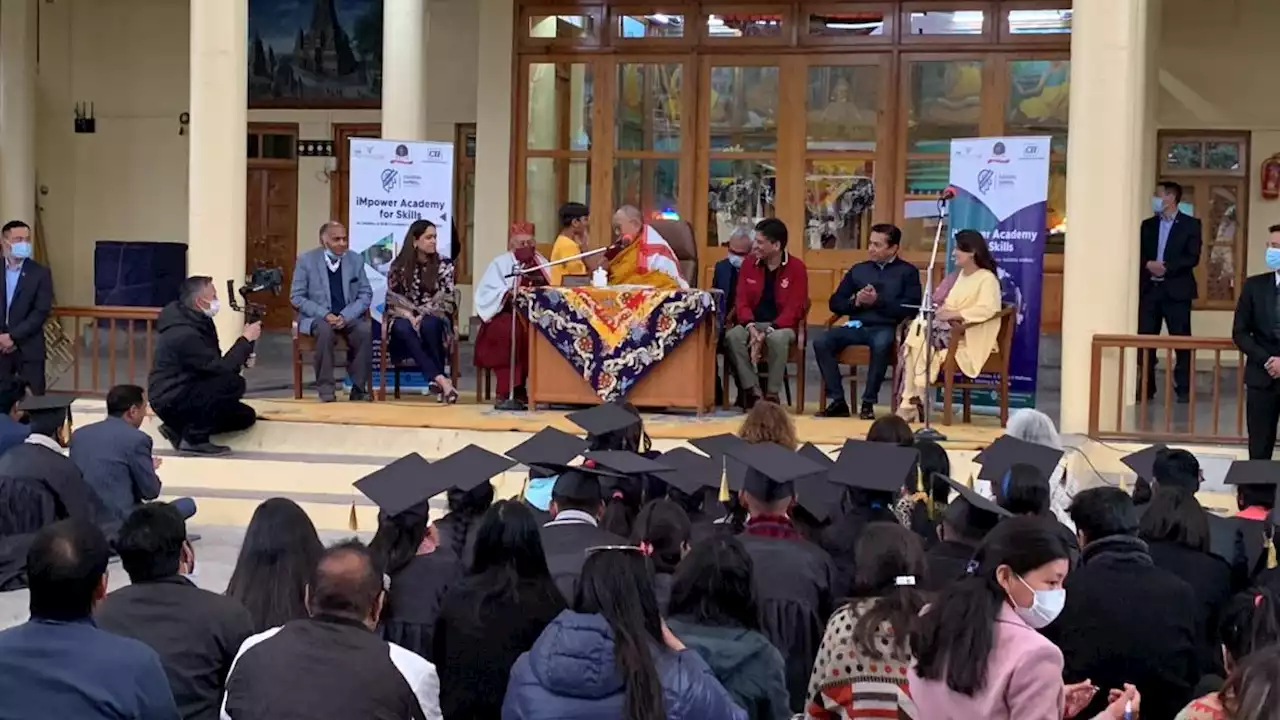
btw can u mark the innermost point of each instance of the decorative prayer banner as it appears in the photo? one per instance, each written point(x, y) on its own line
point(1002, 190)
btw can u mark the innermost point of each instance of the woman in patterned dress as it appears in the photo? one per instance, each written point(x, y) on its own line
point(421, 301)
point(862, 665)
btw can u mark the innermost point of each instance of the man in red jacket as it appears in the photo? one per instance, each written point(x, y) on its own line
point(773, 288)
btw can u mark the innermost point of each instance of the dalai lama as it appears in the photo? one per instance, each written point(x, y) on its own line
point(493, 305)
point(640, 255)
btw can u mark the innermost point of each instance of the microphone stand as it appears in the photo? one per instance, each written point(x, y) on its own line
point(928, 309)
point(510, 402)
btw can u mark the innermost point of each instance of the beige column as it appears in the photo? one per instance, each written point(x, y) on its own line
point(18, 38)
point(1110, 155)
point(494, 131)
point(405, 27)
point(216, 168)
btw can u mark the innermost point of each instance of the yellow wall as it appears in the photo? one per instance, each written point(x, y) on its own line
point(128, 181)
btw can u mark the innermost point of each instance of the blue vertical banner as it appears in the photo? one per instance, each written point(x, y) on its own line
point(1002, 189)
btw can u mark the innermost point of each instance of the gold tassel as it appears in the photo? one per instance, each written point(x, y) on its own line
point(1122, 486)
point(353, 524)
point(970, 479)
point(1271, 553)
point(724, 486)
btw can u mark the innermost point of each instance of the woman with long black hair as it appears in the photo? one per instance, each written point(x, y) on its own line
point(279, 553)
point(623, 496)
point(1250, 632)
point(407, 549)
point(612, 657)
point(979, 652)
point(662, 531)
point(421, 301)
point(493, 614)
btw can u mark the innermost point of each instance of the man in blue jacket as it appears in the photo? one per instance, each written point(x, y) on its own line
point(59, 664)
point(876, 296)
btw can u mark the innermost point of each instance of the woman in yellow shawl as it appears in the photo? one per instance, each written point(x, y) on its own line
point(968, 301)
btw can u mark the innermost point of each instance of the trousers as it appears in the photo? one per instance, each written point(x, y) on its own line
point(209, 406)
point(777, 349)
point(359, 336)
point(426, 345)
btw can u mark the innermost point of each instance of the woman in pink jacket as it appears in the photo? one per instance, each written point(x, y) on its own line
point(980, 653)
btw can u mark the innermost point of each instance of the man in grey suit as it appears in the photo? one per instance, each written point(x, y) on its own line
point(114, 456)
point(332, 294)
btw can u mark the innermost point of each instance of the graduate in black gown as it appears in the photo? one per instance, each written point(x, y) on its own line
point(422, 561)
point(548, 445)
point(793, 576)
point(1257, 483)
point(693, 485)
point(1019, 473)
point(871, 491)
point(577, 503)
point(964, 526)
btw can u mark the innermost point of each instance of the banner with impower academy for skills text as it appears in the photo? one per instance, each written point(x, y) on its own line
point(1002, 191)
point(392, 184)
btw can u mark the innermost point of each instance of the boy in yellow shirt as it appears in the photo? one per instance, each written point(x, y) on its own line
point(574, 219)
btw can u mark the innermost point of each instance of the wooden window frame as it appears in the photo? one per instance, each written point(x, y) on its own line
point(692, 28)
point(785, 38)
point(987, 37)
point(889, 37)
point(596, 11)
point(461, 164)
point(1004, 36)
point(1205, 178)
point(262, 129)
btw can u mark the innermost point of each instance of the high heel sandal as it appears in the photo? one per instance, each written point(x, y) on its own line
point(450, 398)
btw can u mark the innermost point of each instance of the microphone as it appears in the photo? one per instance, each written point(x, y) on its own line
point(948, 193)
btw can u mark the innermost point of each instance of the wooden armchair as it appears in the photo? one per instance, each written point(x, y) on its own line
point(796, 356)
point(388, 364)
point(304, 349)
point(856, 356)
point(997, 364)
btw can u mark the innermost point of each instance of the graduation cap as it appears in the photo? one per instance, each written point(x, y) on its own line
point(548, 445)
point(875, 466)
point(977, 501)
point(627, 463)
point(604, 418)
point(972, 513)
point(771, 469)
point(576, 482)
point(1008, 451)
point(1142, 462)
point(718, 445)
point(48, 412)
point(690, 472)
point(1253, 472)
point(818, 493)
point(408, 483)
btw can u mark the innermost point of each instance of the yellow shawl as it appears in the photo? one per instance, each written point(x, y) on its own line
point(977, 298)
point(625, 270)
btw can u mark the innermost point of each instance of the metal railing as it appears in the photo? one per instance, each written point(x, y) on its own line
point(1137, 417)
point(109, 344)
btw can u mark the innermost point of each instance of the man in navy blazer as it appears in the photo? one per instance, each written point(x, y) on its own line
point(27, 298)
point(1170, 253)
point(332, 295)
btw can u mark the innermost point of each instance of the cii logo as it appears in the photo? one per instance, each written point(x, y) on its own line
point(390, 180)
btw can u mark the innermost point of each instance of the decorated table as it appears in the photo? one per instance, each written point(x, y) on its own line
point(653, 348)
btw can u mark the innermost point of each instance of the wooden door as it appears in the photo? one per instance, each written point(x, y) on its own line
point(464, 200)
point(341, 181)
point(273, 235)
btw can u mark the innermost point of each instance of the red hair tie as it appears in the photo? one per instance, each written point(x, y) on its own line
point(1257, 600)
point(645, 548)
point(617, 495)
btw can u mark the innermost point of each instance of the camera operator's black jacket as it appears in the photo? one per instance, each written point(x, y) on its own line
point(187, 351)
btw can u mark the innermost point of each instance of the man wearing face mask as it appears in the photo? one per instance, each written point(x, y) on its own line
point(1125, 620)
point(332, 295)
point(1170, 252)
point(28, 298)
point(725, 279)
point(1256, 331)
point(194, 388)
point(493, 305)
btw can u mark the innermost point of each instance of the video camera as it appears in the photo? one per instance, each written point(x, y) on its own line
point(262, 279)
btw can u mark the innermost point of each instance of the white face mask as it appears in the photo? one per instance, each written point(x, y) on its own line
point(213, 308)
point(736, 260)
point(1045, 607)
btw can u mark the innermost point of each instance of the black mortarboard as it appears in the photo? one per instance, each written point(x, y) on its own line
point(549, 445)
point(875, 466)
point(976, 501)
point(1142, 463)
point(399, 487)
point(818, 493)
point(604, 418)
point(466, 469)
point(576, 482)
point(772, 469)
point(811, 452)
point(690, 472)
point(627, 463)
point(52, 404)
point(1253, 472)
point(1008, 451)
point(717, 445)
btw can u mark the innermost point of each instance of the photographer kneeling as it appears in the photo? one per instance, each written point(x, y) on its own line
point(193, 387)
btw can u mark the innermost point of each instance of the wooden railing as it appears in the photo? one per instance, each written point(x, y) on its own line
point(116, 339)
point(1164, 419)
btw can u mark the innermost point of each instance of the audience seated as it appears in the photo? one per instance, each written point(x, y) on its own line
point(1250, 629)
point(1125, 620)
point(331, 664)
point(714, 612)
point(114, 456)
point(279, 551)
point(1031, 425)
point(59, 664)
point(13, 390)
point(195, 632)
point(873, 632)
point(979, 654)
point(769, 306)
point(924, 499)
point(1025, 490)
point(611, 657)
point(494, 614)
point(1180, 469)
point(577, 504)
point(963, 528)
point(724, 277)
point(663, 532)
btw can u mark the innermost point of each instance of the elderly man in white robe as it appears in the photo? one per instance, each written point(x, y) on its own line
point(493, 305)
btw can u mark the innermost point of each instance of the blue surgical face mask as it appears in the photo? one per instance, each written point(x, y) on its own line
point(20, 250)
point(736, 260)
point(1273, 258)
point(1157, 204)
point(538, 492)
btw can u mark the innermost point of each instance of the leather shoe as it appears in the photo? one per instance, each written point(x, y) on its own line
point(205, 448)
point(358, 394)
point(171, 435)
point(867, 412)
point(835, 409)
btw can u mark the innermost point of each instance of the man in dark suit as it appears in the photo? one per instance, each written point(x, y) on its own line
point(725, 279)
point(28, 298)
point(1170, 253)
point(1256, 331)
point(876, 296)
